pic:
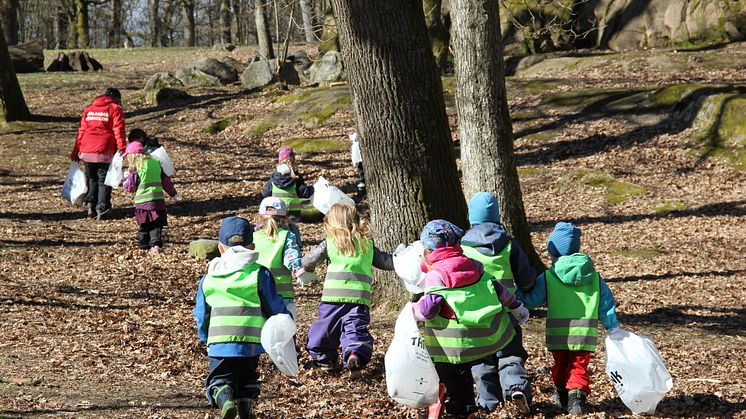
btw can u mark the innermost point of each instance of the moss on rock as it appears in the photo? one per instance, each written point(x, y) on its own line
point(219, 126)
point(669, 207)
point(616, 191)
point(641, 253)
point(309, 146)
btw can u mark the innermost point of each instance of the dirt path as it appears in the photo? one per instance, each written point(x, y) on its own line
point(91, 326)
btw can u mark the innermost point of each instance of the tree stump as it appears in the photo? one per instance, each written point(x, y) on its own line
point(74, 61)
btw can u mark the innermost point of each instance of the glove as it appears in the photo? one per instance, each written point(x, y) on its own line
point(616, 333)
point(305, 278)
point(520, 313)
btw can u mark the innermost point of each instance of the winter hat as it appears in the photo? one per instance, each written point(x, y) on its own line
point(483, 208)
point(564, 240)
point(134, 147)
point(440, 233)
point(285, 153)
point(235, 231)
point(113, 93)
point(273, 206)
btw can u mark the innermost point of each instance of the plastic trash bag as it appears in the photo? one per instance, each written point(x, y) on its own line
point(277, 341)
point(407, 266)
point(637, 371)
point(75, 186)
point(325, 195)
point(357, 157)
point(166, 164)
point(115, 175)
point(411, 378)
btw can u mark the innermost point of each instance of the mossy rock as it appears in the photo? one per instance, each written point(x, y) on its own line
point(310, 146)
point(669, 207)
point(316, 108)
point(204, 249)
point(642, 253)
point(260, 126)
point(310, 214)
point(219, 126)
point(720, 128)
point(616, 191)
point(300, 95)
point(167, 96)
point(673, 94)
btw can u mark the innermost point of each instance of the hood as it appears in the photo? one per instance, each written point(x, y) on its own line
point(232, 260)
point(283, 181)
point(457, 269)
point(103, 101)
point(488, 238)
point(575, 269)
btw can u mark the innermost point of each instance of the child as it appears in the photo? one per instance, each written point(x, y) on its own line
point(465, 315)
point(287, 184)
point(139, 135)
point(278, 250)
point(234, 299)
point(148, 182)
point(344, 312)
point(502, 376)
point(577, 298)
point(357, 162)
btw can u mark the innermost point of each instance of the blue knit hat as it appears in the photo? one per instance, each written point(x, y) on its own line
point(483, 208)
point(564, 240)
point(235, 231)
point(440, 233)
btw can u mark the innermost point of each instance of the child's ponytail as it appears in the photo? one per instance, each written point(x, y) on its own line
point(272, 224)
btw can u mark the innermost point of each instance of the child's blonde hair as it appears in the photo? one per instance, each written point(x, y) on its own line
point(343, 224)
point(135, 160)
point(290, 163)
point(272, 224)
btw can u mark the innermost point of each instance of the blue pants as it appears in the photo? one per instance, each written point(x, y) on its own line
point(340, 323)
point(238, 372)
point(502, 373)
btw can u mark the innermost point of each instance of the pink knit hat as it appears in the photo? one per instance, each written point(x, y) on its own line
point(134, 147)
point(286, 153)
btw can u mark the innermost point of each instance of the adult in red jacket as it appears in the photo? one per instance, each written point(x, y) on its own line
point(100, 135)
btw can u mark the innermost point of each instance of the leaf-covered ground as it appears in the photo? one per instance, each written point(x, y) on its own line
point(93, 327)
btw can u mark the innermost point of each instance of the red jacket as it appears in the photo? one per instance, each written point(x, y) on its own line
point(101, 129)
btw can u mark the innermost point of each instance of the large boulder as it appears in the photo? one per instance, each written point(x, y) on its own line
point(260, 72)
point(161, 80)
point(166, 96)
point(233, 63)
point(204, 249)
point(194, 77)
point(328, 69)
point(226, 73)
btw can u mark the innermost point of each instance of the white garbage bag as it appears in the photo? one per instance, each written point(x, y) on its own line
point(115, 175)
point(411, 378)
point(325, 195)
point(277, 341)
point(407, 262)
point(357, 157)
point(75, 186)
point(166, 164)
point(637, 371)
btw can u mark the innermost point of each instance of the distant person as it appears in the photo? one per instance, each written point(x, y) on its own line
point(148, 142)
point(576, 298)
point(234, 299)
point(287, 184)
point(357, 162)
point(150, 186)
point(100, 135)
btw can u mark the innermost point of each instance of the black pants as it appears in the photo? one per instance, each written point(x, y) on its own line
point(99, 195)
point(459, 387)
point(149, 234)
point(238, 372)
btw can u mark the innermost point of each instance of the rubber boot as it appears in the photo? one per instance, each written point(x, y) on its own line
point(560, 397)
point(244, 408)
point(223, 396)
point(577, 401)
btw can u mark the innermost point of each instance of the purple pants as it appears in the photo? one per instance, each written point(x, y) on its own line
point(340, 323)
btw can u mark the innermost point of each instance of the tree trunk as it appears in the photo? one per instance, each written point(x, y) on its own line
point(306, 11)
point(154, 21)
point(225, 21)
point(12, 105)
point(81, 23)
point(405, 139)
point(238, 18)
point(263, 33)
point(485, 130)
point(190, 29)
point(329, 37)
point(9, 20)
point(115, 32)
point(61, 29)
point(166, 32)
point(437, 31)
point(27, 57)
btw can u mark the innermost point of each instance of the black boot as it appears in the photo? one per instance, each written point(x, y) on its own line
point(560, 397)
point(576, 401)
point(244, 408)
point(91, 210)
point(223, 396)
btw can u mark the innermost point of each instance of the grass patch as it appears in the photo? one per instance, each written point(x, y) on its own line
point(297, 97)
point(260, 127)
point(219, 126)
point(540, 136)
point(669, 207)
point(616, 191)
point(643, 253)
point(527, 171)
point(309, 146)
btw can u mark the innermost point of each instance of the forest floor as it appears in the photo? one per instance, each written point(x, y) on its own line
point(93, 327)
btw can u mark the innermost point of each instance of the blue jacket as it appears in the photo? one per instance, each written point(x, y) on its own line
point(490, 239)
point(272, 303)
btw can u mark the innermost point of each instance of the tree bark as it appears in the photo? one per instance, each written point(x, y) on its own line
point(190, 29)
point(12, 104)
point(405, 139)
point(27, 57)
point(115, 32)
point(263, 34)
point(61, 27)
point(329, 37)
point(167, 18)
point(306, 11)
point(154, 21)
point(238, 18)
point(9, 20)
point(487, 159)
point(437, 31)
point(225, 22)
point(81, 23)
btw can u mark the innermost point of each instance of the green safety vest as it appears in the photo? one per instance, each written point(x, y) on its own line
point(481, 327)
point(150, 187)
point(498, 266)
point(348, 278)
point(236, 310)
point(270, 256)
point(289, 196)
point(572, 314)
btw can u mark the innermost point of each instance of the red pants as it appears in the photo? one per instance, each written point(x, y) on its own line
point(570, 370)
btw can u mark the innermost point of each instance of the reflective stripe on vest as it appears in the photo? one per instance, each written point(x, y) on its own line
point(236, 314)
point(348, 278)
point(150, 187)
point(289, 196)
point(270, 256)
point(481, 328)
point(498, 265)
point(573, 326)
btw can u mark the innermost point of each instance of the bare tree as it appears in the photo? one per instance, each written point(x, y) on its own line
point(225, 21)
point(190, 28)
point(61, 28)
point(263, 33)
point(329, 38)
point(238, 18)
point(12, 104)
point(9, 20)
point(154, 21)
point(405, 138)
point(485, 130)
point(81, 23)
point(306, 10)
point(115, 31)
point(437, 31)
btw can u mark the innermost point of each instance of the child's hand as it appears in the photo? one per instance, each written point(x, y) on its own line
point(521, 314)
point(304, 278)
